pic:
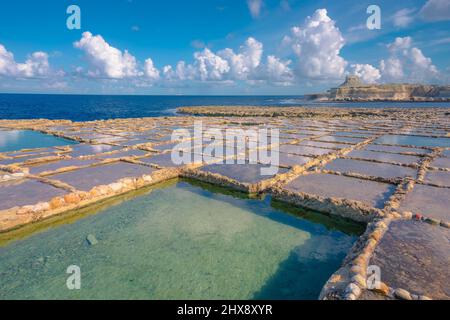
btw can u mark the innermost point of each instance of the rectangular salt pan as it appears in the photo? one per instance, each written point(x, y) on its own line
point(414, 256)
point(87, 150)
point(384, 157)
point(418, 141)
point(304, 150)
point(87, 178)
point(367, 168)
point(395, 149)
point(443, 162)
point(53, 166)
point(26, 192)
point(341, 139)
point(163, 160)
point(372, 193)
point(430, 201)
point(440, 178)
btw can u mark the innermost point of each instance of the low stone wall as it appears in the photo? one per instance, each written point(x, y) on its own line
point(345, 208)
point(348, 282)
point(16, 217)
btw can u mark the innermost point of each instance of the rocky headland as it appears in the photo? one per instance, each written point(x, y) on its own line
point(354, 90)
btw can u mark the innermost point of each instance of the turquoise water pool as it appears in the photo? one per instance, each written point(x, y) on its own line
point(13, 140)
point(181, 241)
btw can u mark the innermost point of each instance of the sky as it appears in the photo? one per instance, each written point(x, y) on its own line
point(219, 47)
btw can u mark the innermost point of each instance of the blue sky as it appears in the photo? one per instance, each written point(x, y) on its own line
point(227, 46)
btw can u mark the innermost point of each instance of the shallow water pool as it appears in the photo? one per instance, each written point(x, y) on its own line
point(13, 140)
point(181, 241)
point(418, 141)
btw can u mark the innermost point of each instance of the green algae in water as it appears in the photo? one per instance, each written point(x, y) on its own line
point(13, 140)
point(178, 242)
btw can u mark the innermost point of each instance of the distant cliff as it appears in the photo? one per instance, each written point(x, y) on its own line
point(354, 90)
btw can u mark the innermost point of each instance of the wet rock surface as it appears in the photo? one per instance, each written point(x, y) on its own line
point(414, 256)
point(429, 201)
point(372, 193)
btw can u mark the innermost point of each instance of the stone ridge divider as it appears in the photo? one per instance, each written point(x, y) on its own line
point(18, 216)
point(349, 281)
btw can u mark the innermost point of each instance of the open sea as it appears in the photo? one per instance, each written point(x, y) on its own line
point(96, 107)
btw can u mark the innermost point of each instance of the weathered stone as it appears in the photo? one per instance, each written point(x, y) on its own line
point(371, 243)
point(352, 288)
point(376, 235)
point(424, 298)
point(91, 240)
point(104, 190)
point(402, 294)
point(25, 210)
point(83, 195)
point(381, 288)
point(57, 202)
point(147, 178)
point(359, 280)
point(72, 198)
point(396, 215)
point(335, 278)
point(41, 206)
point(95, 193)
point(116, 187)
point(6, 177)
point(360, 261)
point(407, 215)
point(356, 269)
point(381, 224)
point(128, 183)
point(139, 183)
point(445, 224)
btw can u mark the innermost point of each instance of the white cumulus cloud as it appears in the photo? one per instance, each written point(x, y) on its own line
point(367, 72)
point(106, 60)
point(392, 69)
point(317, 45)
point(36, 65)
point(210, 66)
point(244, 64)
point(407, 63)
point(150, 70)
point(278, 71)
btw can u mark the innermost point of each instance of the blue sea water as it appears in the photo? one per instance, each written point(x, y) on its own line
point(93, 107)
